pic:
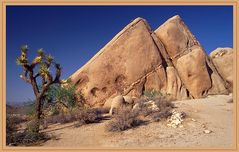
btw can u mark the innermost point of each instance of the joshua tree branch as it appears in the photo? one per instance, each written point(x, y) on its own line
point(37, 75)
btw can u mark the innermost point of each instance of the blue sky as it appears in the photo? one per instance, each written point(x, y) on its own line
point(73, 34)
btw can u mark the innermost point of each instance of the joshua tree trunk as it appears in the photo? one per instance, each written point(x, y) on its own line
point(38, 108)
point(38, 113)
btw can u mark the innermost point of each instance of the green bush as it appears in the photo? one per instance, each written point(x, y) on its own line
point(152, 93)
point(64, 95)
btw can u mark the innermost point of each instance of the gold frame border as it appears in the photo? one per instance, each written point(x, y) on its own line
point(5, 3)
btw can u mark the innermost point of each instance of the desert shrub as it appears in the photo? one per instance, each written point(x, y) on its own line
point(17, 119)
point(102, 110)
point(66, 95)
point(66, 118)
point(32, 138)
point(140, 100)
point(81, 115)
point(86, 116)
point(61, 118)
point(32, 126)
point(11, 129)
point(28, 137)
point(152, 93)
point(163, 102)
point(161, 115)
point(12, 122)
point(124, 119)
point(165, 107)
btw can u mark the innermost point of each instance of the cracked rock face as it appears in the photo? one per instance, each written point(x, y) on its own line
point(168, 60)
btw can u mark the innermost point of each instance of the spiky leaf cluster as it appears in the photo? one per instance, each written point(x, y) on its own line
point(40, 52)
point(21, 60)
point(49, 58)
point(42, 63)
point(44, 70)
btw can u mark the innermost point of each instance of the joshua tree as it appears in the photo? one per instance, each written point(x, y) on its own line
point(38, 74)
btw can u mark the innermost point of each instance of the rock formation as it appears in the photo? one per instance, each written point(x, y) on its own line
point(222, 59)
point(189, 58)
point(169, 60)
point(122, 66)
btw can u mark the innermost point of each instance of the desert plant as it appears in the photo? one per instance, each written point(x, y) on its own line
point(39, 67)
point(124, 119)
point(28, 136)
point(11, 129)
point(152, 93)
point(163, 104)
point(165, 107)
point(88, 115)
point(33, 138)
point(81, 115)
point(65, 96)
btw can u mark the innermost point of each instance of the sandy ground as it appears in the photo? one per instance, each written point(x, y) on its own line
point(213, 113)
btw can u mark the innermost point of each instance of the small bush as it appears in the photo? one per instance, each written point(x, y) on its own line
point(161, 115)
point(124, 119)
point(32, 126)
point(103, 110)
point(86, 116)
point(83, 116)
point(11, 128)
point(163, 104)
point(61, 118)
point(152, 93)
point(27, 137)
point(65, 96)
point(165, 108)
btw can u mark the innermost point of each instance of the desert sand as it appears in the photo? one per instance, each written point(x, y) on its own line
point(213, 114)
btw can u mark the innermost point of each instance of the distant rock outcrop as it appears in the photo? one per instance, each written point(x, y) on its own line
point(169, 60)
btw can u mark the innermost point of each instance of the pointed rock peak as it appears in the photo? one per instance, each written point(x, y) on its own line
point(175, 18)
point(137, 20)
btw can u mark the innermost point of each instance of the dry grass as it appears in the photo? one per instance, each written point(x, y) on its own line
point(82, 116)
point(27, 137)
point(124, 119)
point(87, 116)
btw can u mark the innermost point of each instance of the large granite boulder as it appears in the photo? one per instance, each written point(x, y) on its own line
point(123, 66)
point(189, 58)
point(222, 59)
